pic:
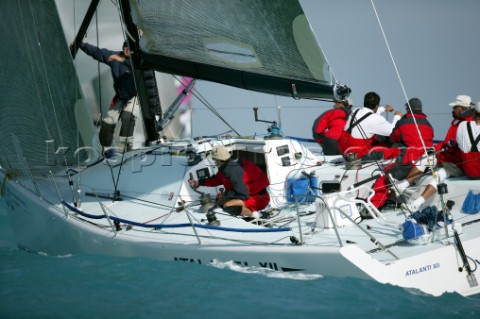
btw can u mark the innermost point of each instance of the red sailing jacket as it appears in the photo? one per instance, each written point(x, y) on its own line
point(349, 144)
point(406, 134)
point(241, 179)
point(451, 153)
point(470, 160)
point(329, 124)
point(470, 165)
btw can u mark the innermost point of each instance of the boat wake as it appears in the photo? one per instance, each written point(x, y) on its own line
point(267, 272)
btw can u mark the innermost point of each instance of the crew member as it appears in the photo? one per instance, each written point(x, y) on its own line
point(328, 127)
point(363, 127)
point(245, 184)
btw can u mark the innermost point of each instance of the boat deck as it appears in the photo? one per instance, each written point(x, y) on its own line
point(148, 221)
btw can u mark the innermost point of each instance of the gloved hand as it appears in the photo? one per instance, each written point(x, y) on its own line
point(193, 183)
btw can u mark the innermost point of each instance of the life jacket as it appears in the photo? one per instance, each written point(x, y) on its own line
point(329, 124)
point(348, 144)
point(471, 160)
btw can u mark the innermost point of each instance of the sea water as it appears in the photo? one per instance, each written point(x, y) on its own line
point(85, 286)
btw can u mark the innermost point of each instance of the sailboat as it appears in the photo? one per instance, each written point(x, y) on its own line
point(64, 197)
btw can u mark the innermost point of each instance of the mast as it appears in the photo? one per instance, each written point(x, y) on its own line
point(146, 83)
point(84, 27)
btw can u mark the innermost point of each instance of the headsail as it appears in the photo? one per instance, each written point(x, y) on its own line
point(41, 102)
point(223, 41)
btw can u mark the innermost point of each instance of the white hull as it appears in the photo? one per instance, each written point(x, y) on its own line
point(43, 224)
point(43, 228)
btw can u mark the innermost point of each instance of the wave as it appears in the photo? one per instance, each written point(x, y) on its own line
point(267, 272)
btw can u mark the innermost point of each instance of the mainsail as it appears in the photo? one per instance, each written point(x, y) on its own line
point(41, 104)
point(223, 41)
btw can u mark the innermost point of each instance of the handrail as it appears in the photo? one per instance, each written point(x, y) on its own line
point(372, 238)
point(160, 226)
point(372, 210)
point(333, 220)
point(58, 193)
point(78, 211)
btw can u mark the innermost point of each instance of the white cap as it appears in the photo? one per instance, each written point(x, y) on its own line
point(220, 153)
point(477, 107)
point(462, 100)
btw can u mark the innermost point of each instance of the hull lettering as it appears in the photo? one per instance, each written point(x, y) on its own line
point(422, 269)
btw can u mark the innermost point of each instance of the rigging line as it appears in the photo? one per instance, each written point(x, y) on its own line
point(135, 101)
point(148, 202)
point(279, 117)
point(125, 31)
point(45, 74)
point(296, 107)
point(125, 146)
point(399, 77)
point(78, 97)
point(125, 34)
point(31, 64)
point(211, 108)
point(76, 84)
point(119, 11)
point(98, 69)
point(115, 182)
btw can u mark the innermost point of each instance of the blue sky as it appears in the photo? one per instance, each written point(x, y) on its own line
point(435, 45)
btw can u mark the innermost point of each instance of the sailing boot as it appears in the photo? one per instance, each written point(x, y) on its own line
point(106, 134)
point(126, 131)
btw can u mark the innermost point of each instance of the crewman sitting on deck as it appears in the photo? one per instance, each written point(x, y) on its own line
point(328, 127)
point(468, 139)
point(412, 133)
point(245, 184)
point(449, 159)
point(362, 128)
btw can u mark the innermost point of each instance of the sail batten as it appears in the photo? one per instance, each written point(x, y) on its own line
point(222, 41)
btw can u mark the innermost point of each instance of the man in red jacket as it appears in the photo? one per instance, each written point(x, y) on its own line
point(412, 133)
point(460, 112)
point(245, 184)
point(449, 157)
point(328, 127)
